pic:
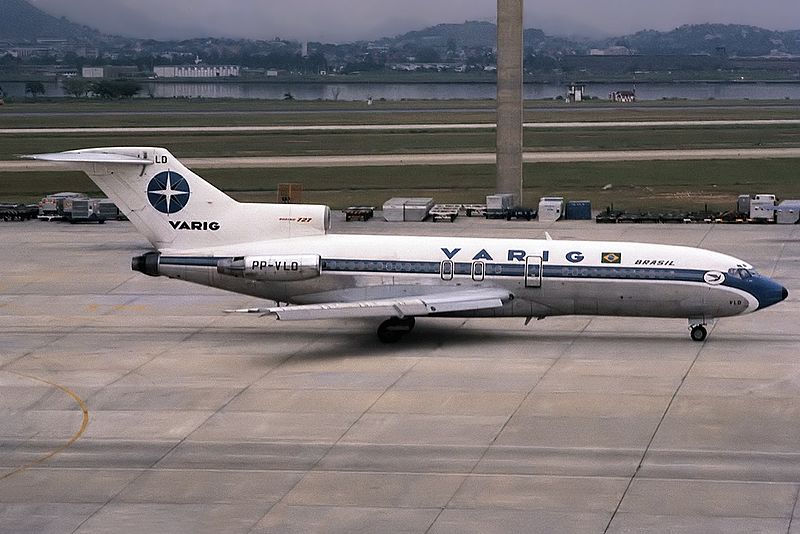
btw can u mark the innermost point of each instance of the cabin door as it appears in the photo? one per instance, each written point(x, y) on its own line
point(533, 271)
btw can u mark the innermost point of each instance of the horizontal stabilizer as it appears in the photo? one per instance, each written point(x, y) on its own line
point(456, 301)
point(89, 156)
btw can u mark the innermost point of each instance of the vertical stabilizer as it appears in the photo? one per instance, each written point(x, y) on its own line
point(176, 209)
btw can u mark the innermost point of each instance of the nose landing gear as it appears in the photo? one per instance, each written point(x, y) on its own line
point(391, 330)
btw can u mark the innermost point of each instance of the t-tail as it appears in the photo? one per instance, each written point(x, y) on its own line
point(177, 210)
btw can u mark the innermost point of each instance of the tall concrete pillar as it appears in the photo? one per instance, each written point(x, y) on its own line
point(509, 97)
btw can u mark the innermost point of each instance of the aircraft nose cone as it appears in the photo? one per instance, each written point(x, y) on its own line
point(768, 292)
point(773, 295)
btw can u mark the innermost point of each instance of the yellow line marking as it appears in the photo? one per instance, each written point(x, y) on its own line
point(130, 307)
point(75, 437)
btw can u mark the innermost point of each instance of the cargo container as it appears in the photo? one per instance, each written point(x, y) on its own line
point(788, 212)
point(578, 210)
point(107, 209)
point(497, 206)
point(502, 201)
point(400, 209)
point(92, 210)
point(762, 208)
point(551, 208)
point(743, 205)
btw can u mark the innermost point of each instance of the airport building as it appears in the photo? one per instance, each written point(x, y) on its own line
point(197, 71)
point(110, 71)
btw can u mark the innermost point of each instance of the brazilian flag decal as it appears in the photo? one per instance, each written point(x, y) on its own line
point(611, 257)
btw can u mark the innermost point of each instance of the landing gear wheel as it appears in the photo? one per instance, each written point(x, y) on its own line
point(391, 330)
point(387, 335)
point(699, 333)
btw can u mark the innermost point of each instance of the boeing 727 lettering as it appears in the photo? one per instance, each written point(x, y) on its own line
point(285, 253)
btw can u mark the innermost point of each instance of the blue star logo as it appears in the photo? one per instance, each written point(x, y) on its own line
point(168, 192)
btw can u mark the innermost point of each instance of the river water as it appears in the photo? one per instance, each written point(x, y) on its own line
point(438, 91)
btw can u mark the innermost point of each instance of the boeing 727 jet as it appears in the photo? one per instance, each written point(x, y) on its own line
point(284, 253)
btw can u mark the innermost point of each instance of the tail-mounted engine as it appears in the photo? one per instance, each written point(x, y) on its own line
point(271, 268)
point(146, 263)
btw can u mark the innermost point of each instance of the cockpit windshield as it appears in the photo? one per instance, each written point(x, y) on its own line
point(741, 272)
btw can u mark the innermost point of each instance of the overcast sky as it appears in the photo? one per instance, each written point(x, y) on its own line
point(350, 20)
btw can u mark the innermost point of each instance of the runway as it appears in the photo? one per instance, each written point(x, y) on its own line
point(201, 422)
point(381, 160)
point(322, 128)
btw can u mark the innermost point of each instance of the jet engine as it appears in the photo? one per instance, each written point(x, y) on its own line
point(271, 268)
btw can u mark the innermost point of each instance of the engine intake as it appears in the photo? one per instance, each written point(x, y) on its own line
point(146, 263)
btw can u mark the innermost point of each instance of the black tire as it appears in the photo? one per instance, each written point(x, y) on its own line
point(391, 330)
point(699, 333)
point(386, 335)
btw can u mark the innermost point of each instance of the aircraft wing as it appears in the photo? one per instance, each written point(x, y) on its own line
point(455, 301)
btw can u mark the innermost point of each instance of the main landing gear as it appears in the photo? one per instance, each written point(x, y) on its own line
point(391, 330)
point(699, 332)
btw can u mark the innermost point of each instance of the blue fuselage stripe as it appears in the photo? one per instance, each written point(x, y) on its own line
point(513, 270)
point(491, 269)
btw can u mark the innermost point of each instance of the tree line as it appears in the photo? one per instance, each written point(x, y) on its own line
point(108, 89)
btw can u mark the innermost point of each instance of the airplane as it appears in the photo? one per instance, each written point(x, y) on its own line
point(285, 253)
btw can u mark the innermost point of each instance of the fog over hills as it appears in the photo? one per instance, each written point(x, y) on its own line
point(22, 20)
point(351, 20)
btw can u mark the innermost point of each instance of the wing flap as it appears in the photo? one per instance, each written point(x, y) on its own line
point(396, 307)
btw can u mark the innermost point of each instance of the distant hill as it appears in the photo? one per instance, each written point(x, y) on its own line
point(711, 39)
point(468, 34)
point(734, 39)
point(22, 21)
point(473, 34)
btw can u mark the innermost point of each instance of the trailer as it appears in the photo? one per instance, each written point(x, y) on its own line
point(474, 210)
point(520, 212)
point(445, 212)
point(359, 213)
point(18, 212)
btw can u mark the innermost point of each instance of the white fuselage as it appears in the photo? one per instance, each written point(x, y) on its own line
point(546, 277)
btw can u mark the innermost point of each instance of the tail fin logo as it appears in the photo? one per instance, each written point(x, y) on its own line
point(168, 192)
